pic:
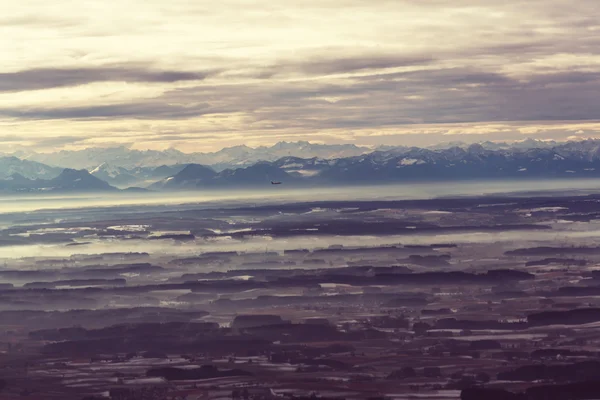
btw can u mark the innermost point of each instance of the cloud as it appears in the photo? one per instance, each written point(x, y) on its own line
point(36, 20)
point(358, 63)
point(142, 110)
point(47, 78)
point(422, 97)
point(12, 142)
point(56, 141)
point(432, 96)
point(314, 68)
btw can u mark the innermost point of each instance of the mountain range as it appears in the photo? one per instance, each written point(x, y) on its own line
point(69, 180)
point(29, 169)
point(139, 176)
point(456, 161)
point(405, 165)
point(230, 157)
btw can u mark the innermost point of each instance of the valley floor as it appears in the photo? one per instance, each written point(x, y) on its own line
point(353, 299)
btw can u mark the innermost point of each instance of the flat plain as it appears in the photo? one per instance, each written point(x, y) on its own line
point(353, 299)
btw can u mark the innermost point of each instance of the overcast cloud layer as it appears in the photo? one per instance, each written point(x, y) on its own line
point(202, 75)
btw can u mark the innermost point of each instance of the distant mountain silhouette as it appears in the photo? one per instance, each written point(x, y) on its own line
point(259, 173)
point(70, 180)
point(28, 169)
point(530, 159)
point(118, 176)
point(195, 176)
point(78, 180)
point(230, 157)
point(139, 176)
point(567, 160)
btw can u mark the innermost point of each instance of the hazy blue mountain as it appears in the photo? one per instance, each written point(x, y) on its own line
point(163, 171)
point(475, 161)
point(78, 180)
point(302, 168)
point(191, 176)
point(139, 176)
point(230, 157)
point(525, 159)
point(528, 143)
point(69, 180)
point(137, 163)
point(28, 169)
point(121, 156)
point(117, 176)
point(197, 176)
point(261, 173)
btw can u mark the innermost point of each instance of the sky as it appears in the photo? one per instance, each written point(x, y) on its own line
point(200, 75)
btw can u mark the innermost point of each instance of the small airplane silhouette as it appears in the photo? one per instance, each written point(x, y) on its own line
point(275, 183)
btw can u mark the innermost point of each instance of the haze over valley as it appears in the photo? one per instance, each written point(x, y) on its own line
point(291, 297)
